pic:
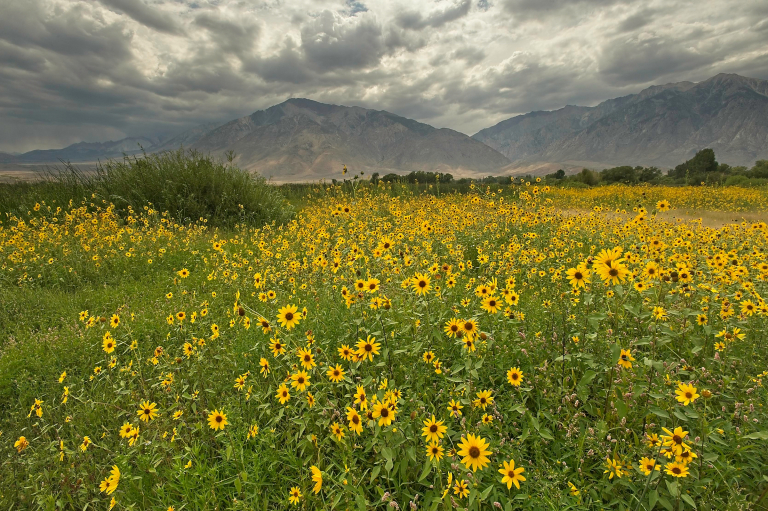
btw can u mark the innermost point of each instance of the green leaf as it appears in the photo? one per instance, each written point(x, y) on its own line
point(653, 497)
point(238, 485)
point(680, 415)
point(375, 472)
point(658, 412)
point(687, 498)
point(621, 408)
point(426, 471)
point(546, 434)
point(757, 435)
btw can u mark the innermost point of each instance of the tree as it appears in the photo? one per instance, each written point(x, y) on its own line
point(648, 174)
point(703, 162)
point(624, 174)
point(587, 177)
point(375, 178)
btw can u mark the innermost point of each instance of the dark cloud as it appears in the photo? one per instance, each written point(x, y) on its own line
point(539, 9)
point(145, 15)
point(415, 21)
point(328, 44)
point(469, 54)
point(637, 20)
point(237, 38)
point(643, 61)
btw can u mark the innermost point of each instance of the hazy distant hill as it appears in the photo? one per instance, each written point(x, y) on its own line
point(662, 126)
point(304, 139)
point(88, 151)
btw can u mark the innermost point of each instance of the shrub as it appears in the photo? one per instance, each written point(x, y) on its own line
point(188, 185)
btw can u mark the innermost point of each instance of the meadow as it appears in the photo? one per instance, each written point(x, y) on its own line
point(388, 347)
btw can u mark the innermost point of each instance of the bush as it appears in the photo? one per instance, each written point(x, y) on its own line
point(188, 185)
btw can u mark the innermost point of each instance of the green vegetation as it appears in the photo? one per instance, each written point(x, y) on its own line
point(186, 185)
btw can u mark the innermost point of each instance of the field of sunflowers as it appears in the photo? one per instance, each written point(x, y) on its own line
point(510, 349)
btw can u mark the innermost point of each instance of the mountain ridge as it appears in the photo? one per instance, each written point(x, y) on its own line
point(302, 139)
point(662, 125)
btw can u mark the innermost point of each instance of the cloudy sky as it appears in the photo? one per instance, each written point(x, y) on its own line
point(97, 70)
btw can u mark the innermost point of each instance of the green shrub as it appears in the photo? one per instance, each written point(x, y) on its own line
point(188, 185)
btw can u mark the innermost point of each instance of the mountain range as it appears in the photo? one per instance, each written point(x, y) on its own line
point(303, 140)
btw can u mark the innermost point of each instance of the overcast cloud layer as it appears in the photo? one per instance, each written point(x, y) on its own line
point(97, 70)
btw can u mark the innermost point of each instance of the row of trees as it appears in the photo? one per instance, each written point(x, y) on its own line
point(702, 168)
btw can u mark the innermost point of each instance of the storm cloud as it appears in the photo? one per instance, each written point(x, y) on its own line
point(97, 70)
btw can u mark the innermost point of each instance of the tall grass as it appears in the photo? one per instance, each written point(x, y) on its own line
point(188, 185)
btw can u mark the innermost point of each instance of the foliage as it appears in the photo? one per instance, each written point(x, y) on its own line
point(188, 186)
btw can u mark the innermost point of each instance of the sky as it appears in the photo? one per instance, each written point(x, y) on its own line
point(98, 70)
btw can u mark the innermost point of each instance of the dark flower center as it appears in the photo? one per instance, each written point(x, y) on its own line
point(474, 452)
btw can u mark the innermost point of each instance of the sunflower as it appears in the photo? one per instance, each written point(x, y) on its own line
point(21, 444)
point(355, 422)
point(360, 398)
point(461, 489)
point(345, 352)
point(337, 430)
point(515, 376)
point(420, 284)
point(384, 413)
point(317, 478)
point(372, 285)
point(677, 469)
point(455, 408)
point(647, 465)
point(300, 380)
point(147, 411)
point(306, 358)
point(217, 420)
point(686, 456)
point(484, 398)
point(114, 321)
point(294, 496)
point(428, 357)
point(613, 273)
point(433, 429)
point(108, 486)
point(277, 347)
point(366, 349)
point(491, 304)
point(125, 430)
point(578, 276)
point(626, 359)
point(264, 363)
point(335, 374)
point(434, 451)
point(474, 450)
point(108, 344)
point(469, 328)
point(511, 474)
point(282, 394)
point(675, 440)
point(614, 467)
point(287, 316)
point(662, 205)
point(452, 327)
point(686, 393)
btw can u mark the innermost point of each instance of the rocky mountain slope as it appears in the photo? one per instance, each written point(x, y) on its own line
point(662, 126)
point(303, 139)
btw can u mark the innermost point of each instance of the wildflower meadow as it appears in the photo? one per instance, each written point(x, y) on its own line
point(515, 348)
